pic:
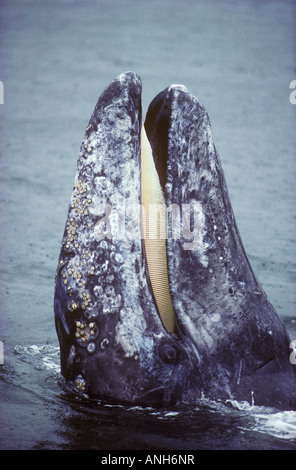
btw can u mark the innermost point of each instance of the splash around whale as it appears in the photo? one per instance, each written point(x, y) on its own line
point(178, 314)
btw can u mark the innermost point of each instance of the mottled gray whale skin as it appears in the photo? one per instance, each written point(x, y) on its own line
point(229, 342)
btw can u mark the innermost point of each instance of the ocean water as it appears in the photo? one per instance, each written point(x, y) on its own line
point(56, 58)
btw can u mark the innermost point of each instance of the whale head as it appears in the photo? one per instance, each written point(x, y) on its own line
point(155, 299)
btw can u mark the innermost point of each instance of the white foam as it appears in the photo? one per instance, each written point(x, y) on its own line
point(281, 425)
point(47, 355)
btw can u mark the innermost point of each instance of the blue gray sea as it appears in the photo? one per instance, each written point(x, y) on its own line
point(56, 57)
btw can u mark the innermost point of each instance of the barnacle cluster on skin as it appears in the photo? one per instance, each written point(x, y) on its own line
point(85, 332)
point(80, 201)
point(72, 278)
point(78, 214)
point(80, 383)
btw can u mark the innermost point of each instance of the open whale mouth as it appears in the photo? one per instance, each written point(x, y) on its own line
point(167, 215)
point(169, 169)
point(154, 292)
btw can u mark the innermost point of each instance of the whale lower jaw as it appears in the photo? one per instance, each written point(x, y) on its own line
point(183, 316)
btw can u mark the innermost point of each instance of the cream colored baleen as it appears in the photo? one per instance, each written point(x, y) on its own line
point(154, 232)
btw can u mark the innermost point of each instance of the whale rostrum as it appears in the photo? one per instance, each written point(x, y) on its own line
point(155, 299)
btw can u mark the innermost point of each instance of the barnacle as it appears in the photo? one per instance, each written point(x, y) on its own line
point(80, 383)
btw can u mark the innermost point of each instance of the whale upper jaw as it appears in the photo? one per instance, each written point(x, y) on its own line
point(113, 343)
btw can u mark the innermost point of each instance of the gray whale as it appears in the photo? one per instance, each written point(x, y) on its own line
point(228, 342)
